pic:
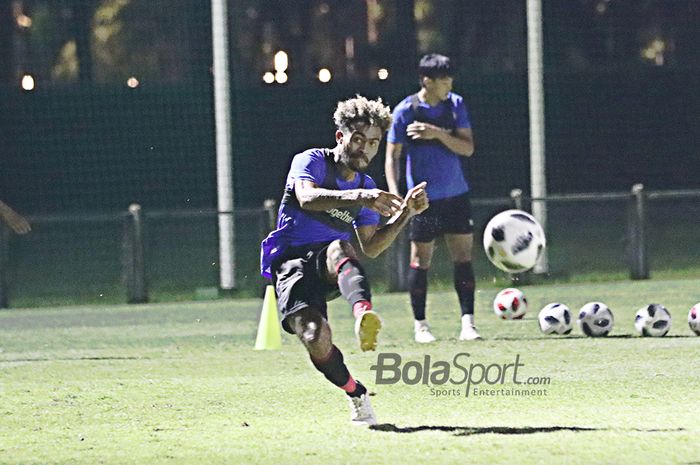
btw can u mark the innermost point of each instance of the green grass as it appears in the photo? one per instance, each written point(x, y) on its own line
point(179, 383)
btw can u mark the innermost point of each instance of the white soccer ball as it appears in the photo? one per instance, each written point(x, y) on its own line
point(595, 319)
point(653, 320)
point(694, 318)
point(555, 318)
point(513, 241)
point(510, 304)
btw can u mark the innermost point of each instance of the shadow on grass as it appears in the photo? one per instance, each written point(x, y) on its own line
point(635, 336)
point(579, 336)
point(63, 359)
point(557, 337)
point(474, 430)
point(534, 338)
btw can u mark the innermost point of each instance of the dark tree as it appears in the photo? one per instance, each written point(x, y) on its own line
point(405, 37)
point(83, 11)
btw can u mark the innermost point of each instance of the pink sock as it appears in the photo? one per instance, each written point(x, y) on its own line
point(350, 386)
point(361, 307)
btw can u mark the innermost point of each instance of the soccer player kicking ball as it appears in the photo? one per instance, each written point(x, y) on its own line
point(309, 257)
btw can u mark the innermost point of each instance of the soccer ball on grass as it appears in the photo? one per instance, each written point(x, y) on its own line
point(595, 319)
point(510, 304)
point(694, 319)
point(555, 318)
point(653, 320)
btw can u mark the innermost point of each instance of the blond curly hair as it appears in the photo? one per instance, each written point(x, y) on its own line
point(361, 109)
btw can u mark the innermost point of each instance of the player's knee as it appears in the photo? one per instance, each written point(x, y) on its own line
point(420, 264)
point(462, 257)
point(421, 261)
point(421, 255)
point(339, 249)
point(308, 326)
point(337, 253)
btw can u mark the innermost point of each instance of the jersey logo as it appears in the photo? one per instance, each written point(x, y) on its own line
point(342, 215)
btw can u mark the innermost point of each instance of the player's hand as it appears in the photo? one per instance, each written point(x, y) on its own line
point(425, 131)
point(17, 222)
point(382, 202)
point(417, 200)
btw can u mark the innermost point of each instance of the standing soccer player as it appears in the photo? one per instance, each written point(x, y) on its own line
point(309, 257)
point(433, 126)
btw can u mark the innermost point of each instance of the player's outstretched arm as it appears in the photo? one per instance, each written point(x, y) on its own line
point(312, 197)
point(13, 219)
point(374, 240)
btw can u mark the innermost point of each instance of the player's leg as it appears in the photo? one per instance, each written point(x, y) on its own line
point(343, 267)
point(423, 230)
point(302, 303)
point(460, 249)
point(459, 229)
point(313, 330)
point(421, 258)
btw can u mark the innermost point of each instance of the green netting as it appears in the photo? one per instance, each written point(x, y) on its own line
point(673, 242)
point(122, 112)
point(67, 262)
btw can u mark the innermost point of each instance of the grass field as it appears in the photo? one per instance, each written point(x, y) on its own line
point(180, 384)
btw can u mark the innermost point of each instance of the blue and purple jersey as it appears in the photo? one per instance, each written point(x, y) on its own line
point(298, 227)
point(428, 160)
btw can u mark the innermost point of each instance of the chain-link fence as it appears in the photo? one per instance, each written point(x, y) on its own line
point(166, 255)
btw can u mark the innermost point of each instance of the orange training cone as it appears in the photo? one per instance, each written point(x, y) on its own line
point(269, 334)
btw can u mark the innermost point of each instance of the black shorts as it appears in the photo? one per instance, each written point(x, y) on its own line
point(300, 280)
point(452, 215)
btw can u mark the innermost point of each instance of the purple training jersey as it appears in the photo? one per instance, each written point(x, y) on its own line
point(297, 227)
point(429, 160)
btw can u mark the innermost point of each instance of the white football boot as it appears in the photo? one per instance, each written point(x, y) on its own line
point(361, 411)
point(422, 332)
point(469, 332)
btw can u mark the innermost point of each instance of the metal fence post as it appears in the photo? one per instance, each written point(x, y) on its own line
point(639, 267)
point(516, 195)
point(134, 263)
point(4, 246)
point(270, 206)
point(397, 263)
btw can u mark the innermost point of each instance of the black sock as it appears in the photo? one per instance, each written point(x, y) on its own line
point(418, 288)
point(333, 367)
point(352, 282)
point(464, 285)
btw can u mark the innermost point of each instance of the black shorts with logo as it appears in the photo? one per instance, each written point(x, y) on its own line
point(300, 280)
point(452, 215)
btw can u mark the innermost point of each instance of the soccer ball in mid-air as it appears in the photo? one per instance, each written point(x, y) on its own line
point(513, 241)
point(653, 320)
point(694, 319)
point(510, 304)
point(595, 319)
point(555, 318)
